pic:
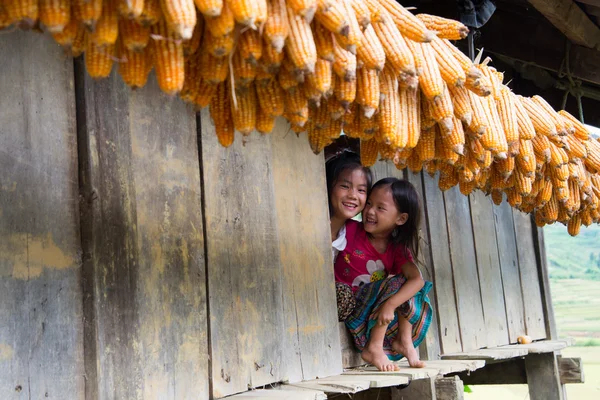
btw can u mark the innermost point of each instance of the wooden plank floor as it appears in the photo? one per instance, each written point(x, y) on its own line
point(511, 351)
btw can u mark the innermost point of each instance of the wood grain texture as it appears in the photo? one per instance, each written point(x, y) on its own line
point(509, 263)
point(488, 266)
point(530, 279)
point(41, 324)
point(311, 340)
point(244, 268)
point(430, 348)
point(543, 377)
point(143, 243)
point(542, 265)
point(447, 315)
point(464, 267)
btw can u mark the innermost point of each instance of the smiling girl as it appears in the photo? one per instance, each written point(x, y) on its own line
point(348, 185)
point(392, 311)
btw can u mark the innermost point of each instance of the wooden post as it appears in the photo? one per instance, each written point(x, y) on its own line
point(420, 389)
point(571, 370)
point(449, 388)
point(543, 377)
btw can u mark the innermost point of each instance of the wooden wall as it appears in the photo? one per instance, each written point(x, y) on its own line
point(139, 259)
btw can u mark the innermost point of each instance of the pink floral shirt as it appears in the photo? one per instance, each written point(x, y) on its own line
point(360, 263)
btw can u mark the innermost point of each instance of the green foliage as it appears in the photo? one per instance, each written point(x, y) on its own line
point(573, 257)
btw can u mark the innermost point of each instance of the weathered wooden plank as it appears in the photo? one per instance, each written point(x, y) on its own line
point(449, 388)
point(507, 372)
point(488, 266)
point(546, 346)
point(464, 268)
point(442, 267)
point(422, 389)
point(244, 267)
point(311, 335)
point(542, 265)
point(543, 378)
point(143, 243)
point(509, 264)
point(430, 348)
point(41, 324)
point(530, 279)
point(385, 169)
point(350, 356)
point(351, 383)
point(571, 370)
point(290, 394)
point(570, 20)
point(493, 354)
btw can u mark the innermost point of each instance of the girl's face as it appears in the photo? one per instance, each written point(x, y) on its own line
point(349, 193)
point(381, 216)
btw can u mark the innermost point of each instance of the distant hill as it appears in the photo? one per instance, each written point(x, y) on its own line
point(573, 257)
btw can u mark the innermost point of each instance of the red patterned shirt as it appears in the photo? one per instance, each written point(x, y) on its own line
point(361, 263)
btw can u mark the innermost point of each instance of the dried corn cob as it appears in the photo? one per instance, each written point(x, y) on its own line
point(389, 107)
point(426, 145)
point(304, 8)
point(352, 38)
point(80, 41)
point(151, 14)
point(135, 65)
point(581, 131)
point(526, 158)
point(180, 16)
point(243, 108)
point(558, 122)
point(218, 46)
point(214, 70)
point(130, 9)
point(98, 60)
point(450, 69)
point(410, 26)
point(574, 225)
point(430, 81)
point(508, 115)
point(300, 46)
point(445, 28)
point(276, 28)
point(332, 15)
point(244, 72)
point(55, 14)
point(270, 97)
point(271, 60)
point(133, 35)
point(210, 8)
point(369, 149)
point(107, 27)
point(87, 11)
point(456, 138)
point(322, 78)
point(69, 33)
point(461, 104)
point(542, 121)
point(362, 13)
point(413, 129)
point(345, 91)
point(345, 62)
point(396, 48)
point(323, 41)
point(222, 24)
point(367, 91)
point(264, 122)
point(370, 52)
point(442, 110)
point(249, 46)
point(168, 58)
point(220, 111)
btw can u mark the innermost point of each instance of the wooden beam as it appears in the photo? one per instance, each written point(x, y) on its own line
point(543, 378)
point(510, 372)
point(449, 388)
point(570, 20)
point(422, 389)
point(571, 370)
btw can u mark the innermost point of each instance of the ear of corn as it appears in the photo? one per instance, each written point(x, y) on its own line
point(244, 109)
point(87, 11)
point(450, 69)
point(410, 26)
point(389, 107)
point(151, 14)
point(371, 52)
point(134, 36)
point(322, 78)
point(367, 91)
point(180, 16)
point(323, 41)
point(190, 46)
point(351, 40)
point(67, 36)
point(368, 152)
point(135, 65)
point(332, 15)
point(300, 45)
point(396, 49)
point(220, 111)
point(249, 46)
point(168, 59)
point(107, 27)
point(276, 28)
point(210, 8)
point(345, 91)
point(445, 28)
point(221, 24)
point(362, 12)
point(55, 14)
point(130, 9)
point(98, 60)
point(345, 62)
point(304, 8)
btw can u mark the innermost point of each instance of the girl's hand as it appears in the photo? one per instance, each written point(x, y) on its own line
point(385, 315)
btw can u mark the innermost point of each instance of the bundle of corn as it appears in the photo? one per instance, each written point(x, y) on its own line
point(367, 67)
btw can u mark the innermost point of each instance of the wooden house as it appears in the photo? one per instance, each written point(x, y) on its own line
point(139, 259)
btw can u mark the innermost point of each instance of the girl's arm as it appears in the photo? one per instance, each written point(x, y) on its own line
point(414, 283)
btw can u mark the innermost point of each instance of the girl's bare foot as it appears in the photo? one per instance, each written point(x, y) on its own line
point(407, 349)
point(378, 358)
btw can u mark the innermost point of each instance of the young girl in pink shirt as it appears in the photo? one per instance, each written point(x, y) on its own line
point(348, 185)
point(392, 311)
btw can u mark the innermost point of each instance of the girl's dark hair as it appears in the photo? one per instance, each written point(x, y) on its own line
point(407, 201)
point(347, 160)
